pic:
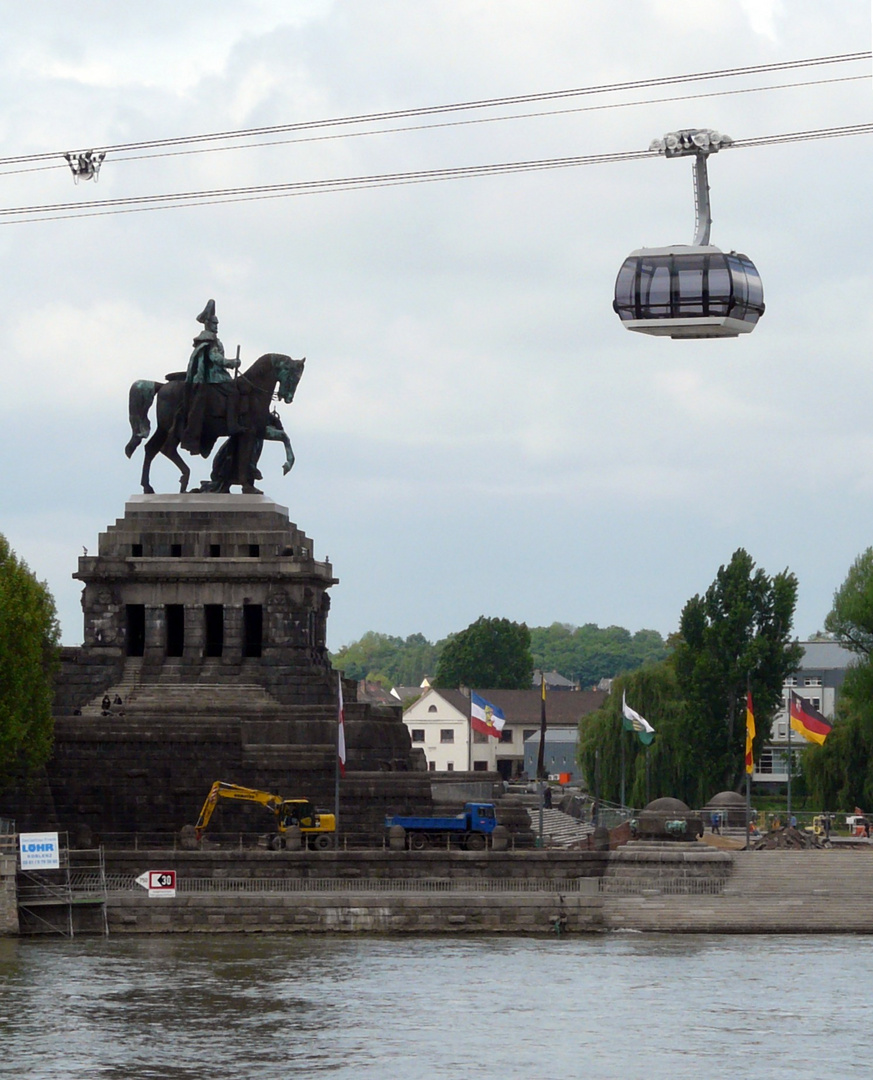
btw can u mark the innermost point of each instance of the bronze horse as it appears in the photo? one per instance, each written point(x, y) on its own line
point(256, 386)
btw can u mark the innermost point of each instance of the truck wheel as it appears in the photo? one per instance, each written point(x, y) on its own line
point(323, 841)
point(276, 843)
point(418, 841)
point(475, 842)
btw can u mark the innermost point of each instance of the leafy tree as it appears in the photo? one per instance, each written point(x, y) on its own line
point(840, 773)
point(489, 653)
point(29, 635)
point(736, 636)
point(589, 653)
point(654, 692)
point(388, 660)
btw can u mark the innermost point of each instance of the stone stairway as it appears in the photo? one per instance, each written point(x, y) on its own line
point(767, 892)
point(560, 829)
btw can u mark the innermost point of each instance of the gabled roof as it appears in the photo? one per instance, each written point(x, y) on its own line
point(523, 706)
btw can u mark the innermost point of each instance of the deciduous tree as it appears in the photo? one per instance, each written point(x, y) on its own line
point(28, 656)
point(489, 653)
point(737, 636)
point(839, 774)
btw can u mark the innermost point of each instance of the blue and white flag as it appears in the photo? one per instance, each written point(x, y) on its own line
point(485, 717)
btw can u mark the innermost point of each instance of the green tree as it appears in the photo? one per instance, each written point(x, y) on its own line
point(736, 636)
point(388, 660)
point(489, 653)
point(839, 774)
point(654, 692)
point(589, 653)
point(28, 658)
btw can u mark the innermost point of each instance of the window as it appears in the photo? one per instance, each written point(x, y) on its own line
point(450, 766)
point(506, 735)
point(418, 734)
point(480, 737)
point(136, 551)
point(431, 708)
point(527, 732)
point(815, 702)
point(431, 766)
point(447, 735)
point(214, 551)
point(813, 680)
point(175, 551)
point(480, 766)
point(213, 617)
point(174, 616)
point(790, 681)
point(135, 629)
point(254, 551)
point(253, 629)
point(782, 731)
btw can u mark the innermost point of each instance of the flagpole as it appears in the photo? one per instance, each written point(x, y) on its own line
point(788, 813)
point(339, 763)
point(541, 756)
point(621, 740)
point(336, 780)
point(648, 776)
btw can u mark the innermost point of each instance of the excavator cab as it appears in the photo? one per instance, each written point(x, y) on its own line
point(298, 812)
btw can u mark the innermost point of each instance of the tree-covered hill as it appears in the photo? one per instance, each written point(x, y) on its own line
point(584, 654)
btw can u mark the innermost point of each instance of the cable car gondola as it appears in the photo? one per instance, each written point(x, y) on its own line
point(696, 290)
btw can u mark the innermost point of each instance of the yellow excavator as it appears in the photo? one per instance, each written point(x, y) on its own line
point(319, 830)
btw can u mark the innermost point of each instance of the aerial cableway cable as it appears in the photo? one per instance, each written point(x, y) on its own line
point(464, 106)
point(450, 123)
point(133, 204)
point(253, 192)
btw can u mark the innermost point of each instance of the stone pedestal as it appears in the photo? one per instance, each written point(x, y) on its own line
point(206, 615)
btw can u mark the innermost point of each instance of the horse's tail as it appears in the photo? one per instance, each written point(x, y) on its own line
point(142, 394)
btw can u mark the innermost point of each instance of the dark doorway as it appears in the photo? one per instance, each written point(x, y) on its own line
point(135, 629)
point(175, 616)
point(253, 629)
point(214, 618)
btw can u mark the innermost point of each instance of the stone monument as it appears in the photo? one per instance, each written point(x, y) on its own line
point(204, 657)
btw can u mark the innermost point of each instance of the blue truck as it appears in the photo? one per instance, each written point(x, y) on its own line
point(472, 828)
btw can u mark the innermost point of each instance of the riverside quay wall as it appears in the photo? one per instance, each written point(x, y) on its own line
point(680, 888)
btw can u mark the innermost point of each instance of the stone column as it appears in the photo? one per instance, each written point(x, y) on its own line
point(8, 896)
point(155, 634)
point(233, 634)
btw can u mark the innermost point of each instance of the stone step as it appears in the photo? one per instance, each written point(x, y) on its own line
point(559, 829)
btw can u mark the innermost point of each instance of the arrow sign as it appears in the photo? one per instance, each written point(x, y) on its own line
point(158, 882)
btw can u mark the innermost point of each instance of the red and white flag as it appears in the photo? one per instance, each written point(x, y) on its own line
point(341, 728)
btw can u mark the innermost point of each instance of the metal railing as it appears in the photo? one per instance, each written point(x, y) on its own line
point(116, 883)
point(675, 886)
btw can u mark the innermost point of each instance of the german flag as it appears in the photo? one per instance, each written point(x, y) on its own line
point(808, 720)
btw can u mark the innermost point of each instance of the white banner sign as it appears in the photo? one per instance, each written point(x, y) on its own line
point(39, 851)
point(158, 882)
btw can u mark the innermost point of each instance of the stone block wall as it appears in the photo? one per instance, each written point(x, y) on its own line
point(8, 896)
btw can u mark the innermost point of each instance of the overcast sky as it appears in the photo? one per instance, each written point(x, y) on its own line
point(475, 431)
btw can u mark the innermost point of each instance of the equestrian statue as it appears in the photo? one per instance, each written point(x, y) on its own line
point(197, 407)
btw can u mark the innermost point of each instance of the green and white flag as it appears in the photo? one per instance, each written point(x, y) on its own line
point(632, 721)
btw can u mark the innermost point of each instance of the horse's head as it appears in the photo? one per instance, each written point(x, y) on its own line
point(287, 371)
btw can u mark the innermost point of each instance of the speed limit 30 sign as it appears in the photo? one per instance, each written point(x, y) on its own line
point(158, 882)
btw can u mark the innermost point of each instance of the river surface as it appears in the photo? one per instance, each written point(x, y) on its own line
point(622, 1006)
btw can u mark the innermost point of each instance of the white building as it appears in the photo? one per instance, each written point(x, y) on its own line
point(439, 724)
point(818, 680)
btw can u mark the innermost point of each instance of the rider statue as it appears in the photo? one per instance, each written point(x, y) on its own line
point(208, 367)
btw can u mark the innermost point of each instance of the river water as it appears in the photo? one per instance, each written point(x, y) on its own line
point(626, 1005)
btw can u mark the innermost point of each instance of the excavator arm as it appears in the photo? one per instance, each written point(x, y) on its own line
point(221, 790)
